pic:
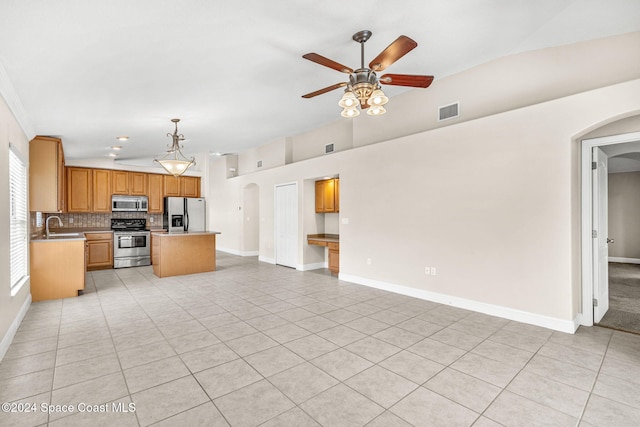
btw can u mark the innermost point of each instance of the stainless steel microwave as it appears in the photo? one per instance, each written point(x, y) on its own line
point(129, 204)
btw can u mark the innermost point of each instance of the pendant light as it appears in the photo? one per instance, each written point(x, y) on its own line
point(174, 162)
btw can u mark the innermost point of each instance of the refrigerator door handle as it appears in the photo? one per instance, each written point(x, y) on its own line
point(186, 216)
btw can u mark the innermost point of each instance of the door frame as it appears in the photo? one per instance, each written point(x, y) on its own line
point(587, 219)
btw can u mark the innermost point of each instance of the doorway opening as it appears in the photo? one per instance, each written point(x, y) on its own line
point(598, 303)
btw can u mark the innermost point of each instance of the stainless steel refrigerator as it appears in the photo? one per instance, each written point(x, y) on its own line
point(184, 214)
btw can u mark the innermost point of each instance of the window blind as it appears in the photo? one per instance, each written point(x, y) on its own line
point(18, 220)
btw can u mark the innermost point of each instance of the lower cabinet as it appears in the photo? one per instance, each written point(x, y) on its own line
point(99, 250)
point(57, 268)
point(334, 257)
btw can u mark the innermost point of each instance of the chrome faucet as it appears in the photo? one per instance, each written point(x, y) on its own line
point(47, 224)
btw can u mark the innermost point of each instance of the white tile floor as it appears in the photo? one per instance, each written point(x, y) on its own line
point(255, 344)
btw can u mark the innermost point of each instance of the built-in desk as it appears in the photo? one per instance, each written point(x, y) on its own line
point(331, 241)
point(175, 254)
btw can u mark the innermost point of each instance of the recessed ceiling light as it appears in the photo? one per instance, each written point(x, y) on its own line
point(122, 138)
point(112, 154)
point(116, 147)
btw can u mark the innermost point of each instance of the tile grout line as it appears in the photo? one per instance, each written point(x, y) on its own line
point(595, 380)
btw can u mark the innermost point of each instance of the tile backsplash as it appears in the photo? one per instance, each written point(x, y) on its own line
point(84, 220)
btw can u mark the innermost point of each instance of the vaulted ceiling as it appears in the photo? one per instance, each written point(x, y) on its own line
point(233, 72)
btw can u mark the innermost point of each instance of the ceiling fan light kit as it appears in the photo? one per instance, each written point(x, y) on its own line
point(363, 88)
point(174, 162)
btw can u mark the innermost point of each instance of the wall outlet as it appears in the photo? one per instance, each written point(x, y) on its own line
point(433, 271)
point(368, 261)
point(345, 221)
point(427, 271)
point(70, 220)
point(151, 219)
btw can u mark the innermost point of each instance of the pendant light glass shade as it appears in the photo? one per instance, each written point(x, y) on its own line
point(378, 98)
point(174, 162)
point(350, 112)
point(348, 100)
point(376, 110)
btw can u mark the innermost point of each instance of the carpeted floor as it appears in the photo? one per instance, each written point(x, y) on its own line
point(624, 298)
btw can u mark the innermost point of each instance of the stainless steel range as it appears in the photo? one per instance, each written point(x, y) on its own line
point(131, 242)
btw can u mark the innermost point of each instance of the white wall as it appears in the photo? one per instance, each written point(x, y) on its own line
point(11, 307)
point(491, 202)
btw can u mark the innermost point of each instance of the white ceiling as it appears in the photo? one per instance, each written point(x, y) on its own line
point(89, 71)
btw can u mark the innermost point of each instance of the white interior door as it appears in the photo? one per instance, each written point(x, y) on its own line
point(286, 221)
point(601, 241)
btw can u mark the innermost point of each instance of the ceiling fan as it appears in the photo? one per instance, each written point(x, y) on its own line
point(363, 87)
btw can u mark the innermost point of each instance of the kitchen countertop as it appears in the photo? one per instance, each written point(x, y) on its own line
point(329, 238)
point(81, 230)
point(164, 233)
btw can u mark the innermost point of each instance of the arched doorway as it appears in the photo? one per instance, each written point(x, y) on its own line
point(617, 141)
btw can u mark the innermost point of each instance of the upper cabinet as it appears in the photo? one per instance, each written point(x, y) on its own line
point(181, 186)
point(120, 182)
point(138, 183)
point(171, 185)
point(90, 190)
point(155, 193)
point(101, 186)
point(46, 175)
point(190, 186)
point(328, 196)
point(79, 189)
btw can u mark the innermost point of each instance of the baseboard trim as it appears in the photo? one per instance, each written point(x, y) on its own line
point(624, 260)
point(11, 332)
point(568, 326)
point(315, 266)
point(239, 253)
point(267, 260)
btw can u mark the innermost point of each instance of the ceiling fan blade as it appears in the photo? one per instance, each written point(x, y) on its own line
point(319, 59)
point(396, 50)
point(406, 80)
point(325, 90)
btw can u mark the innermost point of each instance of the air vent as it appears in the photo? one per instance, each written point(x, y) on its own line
point(329, 148)
point(449, 111)
point(259, 163)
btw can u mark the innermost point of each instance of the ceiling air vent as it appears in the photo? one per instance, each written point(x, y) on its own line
point(449, 111)
point(329, 148)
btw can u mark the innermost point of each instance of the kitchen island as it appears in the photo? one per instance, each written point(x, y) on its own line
point(175, 254)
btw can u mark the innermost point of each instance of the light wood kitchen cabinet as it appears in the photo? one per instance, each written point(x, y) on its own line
point(46, 175)
point(120, 182)
point(155, 193)
point(334, 257)
point(79, 189)
point(327, 193)
point(189, 186)
point(332, 243)
point(138, 183)
point(101, 197)
point(99, 250)
point(57, 268)
point(181, 186)
point(171, 185)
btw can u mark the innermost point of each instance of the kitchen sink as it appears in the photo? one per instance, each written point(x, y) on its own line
point(55, 235)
